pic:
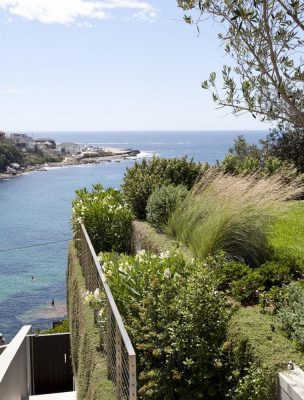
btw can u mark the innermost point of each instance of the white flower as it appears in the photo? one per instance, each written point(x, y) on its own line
point(167, 273)
point(164, 254)
point(97, 294)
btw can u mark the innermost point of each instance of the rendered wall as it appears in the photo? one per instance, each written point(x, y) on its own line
point(14, 370)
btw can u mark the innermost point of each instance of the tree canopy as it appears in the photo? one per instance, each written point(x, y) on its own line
point(8, 154)
point(265, 39)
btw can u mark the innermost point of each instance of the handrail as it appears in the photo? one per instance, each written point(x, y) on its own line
point(119, 351)
point(117, 316)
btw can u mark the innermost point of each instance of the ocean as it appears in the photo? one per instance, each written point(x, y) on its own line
point(35, 210)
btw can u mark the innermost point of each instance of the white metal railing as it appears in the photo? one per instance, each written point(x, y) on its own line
point(117, 346)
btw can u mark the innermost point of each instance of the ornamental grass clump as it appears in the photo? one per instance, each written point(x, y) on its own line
point(232, 213)
point(106, 216)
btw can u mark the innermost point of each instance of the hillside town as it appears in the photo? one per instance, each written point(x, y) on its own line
point(21, 152)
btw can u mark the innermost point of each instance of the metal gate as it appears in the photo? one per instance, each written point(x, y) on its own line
point(51, 364)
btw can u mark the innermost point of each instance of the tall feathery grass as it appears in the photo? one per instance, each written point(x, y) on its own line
point(232, 213)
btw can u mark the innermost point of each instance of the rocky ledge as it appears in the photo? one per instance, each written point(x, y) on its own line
point(111, 154)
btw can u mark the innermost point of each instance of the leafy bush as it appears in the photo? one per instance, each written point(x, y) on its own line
point(225, 270)
point(9, 154)
point(142, 179)
point(287, 144)
point(292, 315)
point(33, 158)
point(177, 321)
point(162, 203)
point(231, 213)
point(273, 299)
point(271, 274)
point(252, 386)
point(61, 327)
point(106, 217)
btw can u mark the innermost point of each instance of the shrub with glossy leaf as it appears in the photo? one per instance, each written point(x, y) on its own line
point(142, 179)
point(106, 217)
point(177, 321)
point(162, 203)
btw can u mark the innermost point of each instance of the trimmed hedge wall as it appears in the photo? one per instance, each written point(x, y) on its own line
point(145, 237)
point(258, 338)
point(89, 364)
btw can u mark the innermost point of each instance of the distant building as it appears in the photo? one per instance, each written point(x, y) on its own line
point(2, 135)
point(20, 140)
point(69, 148)
point(46, 143)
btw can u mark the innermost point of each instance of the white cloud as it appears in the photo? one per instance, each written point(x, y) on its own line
point(11, 91)
point(75, 11)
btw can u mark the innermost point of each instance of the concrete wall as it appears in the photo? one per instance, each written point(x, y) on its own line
point(291, 383)
point(14, 368)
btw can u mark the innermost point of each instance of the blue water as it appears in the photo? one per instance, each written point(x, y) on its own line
point(36, 208)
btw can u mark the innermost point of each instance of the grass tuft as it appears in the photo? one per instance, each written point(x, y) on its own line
point(232, 213)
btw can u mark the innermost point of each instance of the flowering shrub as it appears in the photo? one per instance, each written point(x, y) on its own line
point(93, 299)
point(106, 217)
point(96, 300)
point(177, 321)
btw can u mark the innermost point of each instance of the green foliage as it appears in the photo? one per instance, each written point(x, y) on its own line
point(249, 288)
point(292, 314)
point(177, 321)
point(142, 179)
point(225, 270)
point(245, 158)
point(287, 144)
point(273, 299)
point(265, 41)
point(162, 203)
point(257, 349)
point(144, 236)
point(231, 213)
point(61, 327)
point(89, 364)
point(9, 154)
point(36, 158)
point(106, 217)
point(254, 385)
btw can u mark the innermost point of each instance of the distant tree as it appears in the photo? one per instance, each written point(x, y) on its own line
point(287, 145)
point(9, 154)
point(265, 40)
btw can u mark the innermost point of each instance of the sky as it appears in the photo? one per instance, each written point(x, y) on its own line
point(108, 65)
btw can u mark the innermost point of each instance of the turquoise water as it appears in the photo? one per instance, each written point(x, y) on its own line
point(36, 208)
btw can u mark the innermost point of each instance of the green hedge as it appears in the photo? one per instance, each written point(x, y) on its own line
point(145, 237)
point(257, 339)
point(89, 363)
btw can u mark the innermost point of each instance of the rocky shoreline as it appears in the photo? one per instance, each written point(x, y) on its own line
point(114, 155)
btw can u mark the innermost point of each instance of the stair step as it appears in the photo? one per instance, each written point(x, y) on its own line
point(55, 396)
